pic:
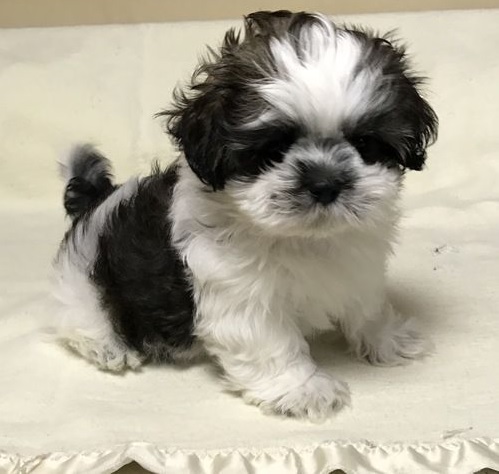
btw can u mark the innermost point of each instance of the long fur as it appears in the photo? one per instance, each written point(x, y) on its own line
point(88, 179)
point(275, 223)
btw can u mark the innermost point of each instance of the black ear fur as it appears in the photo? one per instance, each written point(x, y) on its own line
point(420, 120)
point(425, 123)
point(413, 111)
point(417, 112)
point(197, 127)
point(199, 122)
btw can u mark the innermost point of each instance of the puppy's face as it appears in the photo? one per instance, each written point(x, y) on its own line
point(305, 126)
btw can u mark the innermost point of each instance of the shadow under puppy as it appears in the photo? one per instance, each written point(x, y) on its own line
point(274, 223)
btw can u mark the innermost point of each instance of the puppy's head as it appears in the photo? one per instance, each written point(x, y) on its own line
point(302, 124)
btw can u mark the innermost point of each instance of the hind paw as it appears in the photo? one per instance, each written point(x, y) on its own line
point(112, 356)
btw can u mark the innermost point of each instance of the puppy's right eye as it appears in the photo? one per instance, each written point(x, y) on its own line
point(276, 146)
point(265, 148)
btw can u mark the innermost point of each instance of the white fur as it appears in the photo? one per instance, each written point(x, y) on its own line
point(84, 326)
point(259, 294)
point(320, 84)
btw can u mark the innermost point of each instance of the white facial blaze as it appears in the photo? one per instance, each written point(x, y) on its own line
point(320, 84)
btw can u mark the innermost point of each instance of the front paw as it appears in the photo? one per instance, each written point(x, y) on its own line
point(396, 344)
point(316, 399)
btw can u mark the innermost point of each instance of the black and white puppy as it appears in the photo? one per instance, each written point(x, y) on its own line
point(275, 222)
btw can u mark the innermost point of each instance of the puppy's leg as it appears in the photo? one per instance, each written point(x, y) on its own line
point(104, 350)
point(383, 337)
point(84, 326)
point(267, 359)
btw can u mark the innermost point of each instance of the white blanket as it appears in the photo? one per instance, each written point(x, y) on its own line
point(59, 414)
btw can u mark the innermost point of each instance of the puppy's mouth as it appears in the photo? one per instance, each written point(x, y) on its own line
point(321, 204)
point(299, 210)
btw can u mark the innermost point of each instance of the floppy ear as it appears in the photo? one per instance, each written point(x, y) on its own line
point(199, 121)
point(424, 122)
point(196, 124)
point(419, 117)
point(412, 115)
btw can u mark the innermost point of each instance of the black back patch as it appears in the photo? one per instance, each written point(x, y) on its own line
point(142, 280)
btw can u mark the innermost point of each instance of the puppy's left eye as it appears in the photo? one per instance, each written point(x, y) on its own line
point(374, 150)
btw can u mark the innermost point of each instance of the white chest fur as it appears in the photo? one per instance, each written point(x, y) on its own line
point(314, 281)
point(237, 269)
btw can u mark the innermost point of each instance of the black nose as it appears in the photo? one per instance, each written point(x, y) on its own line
point(324, 193)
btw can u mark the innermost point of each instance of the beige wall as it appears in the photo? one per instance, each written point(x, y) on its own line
point(14, 13)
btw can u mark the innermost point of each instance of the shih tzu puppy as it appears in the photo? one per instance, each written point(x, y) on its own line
point(275, 222)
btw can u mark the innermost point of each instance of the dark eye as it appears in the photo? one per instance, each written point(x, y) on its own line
point(374, 150)
point(273, 149)
point(271, 146)
point(268, 147)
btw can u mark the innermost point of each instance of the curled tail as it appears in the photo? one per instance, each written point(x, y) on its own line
point(88, 176)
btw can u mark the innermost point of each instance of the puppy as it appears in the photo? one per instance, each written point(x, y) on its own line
point(275, 222)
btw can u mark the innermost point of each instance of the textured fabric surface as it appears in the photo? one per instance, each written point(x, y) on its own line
point(58, 414)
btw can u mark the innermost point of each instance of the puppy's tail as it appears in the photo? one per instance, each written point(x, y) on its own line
point(88, 176)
